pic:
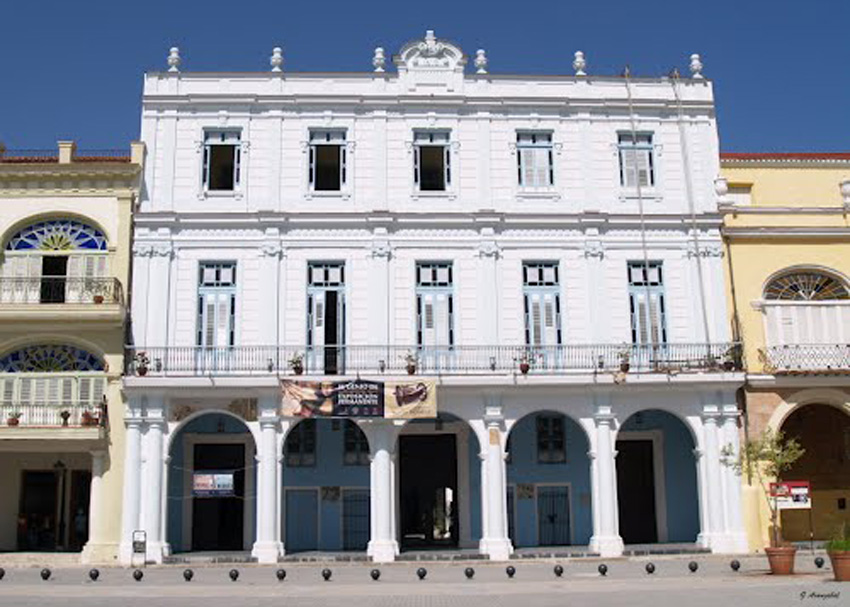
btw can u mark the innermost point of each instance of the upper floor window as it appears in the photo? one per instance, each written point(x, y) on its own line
point(300, 447)
point(431, 160)
point(221, 160)
point(434, 304)
point(217, 304)
point(551, 442)
point(542, 302)
point(535, 160)
point(327, 160)
point(637, 164)
point(806, 286)
point(646, 302)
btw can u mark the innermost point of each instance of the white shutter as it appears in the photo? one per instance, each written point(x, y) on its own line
point(642, 157)
point(86, 390)
point(528, 168)
point(536, 329)
point(25, 395)
point(441, 320)
point(222, 321)
point(76, 271)
point(655, 318)
point(627, 158)
point(429, 337)
point(550, 319)
point(640, 321)
point(209, 320)
point(8, 390)
point(318, 318)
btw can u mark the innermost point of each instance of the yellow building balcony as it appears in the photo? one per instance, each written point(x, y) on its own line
point(46, 299)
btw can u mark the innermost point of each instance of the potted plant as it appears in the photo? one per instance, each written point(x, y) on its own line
point(730, 358)
point(65, 415)
point(838, 549)
point(767, 457)
point(524, 362)
point(296, 363)
point(14, 418)
point(98, 299)
point(410, 361)
point(625, 355)
point(88, 419)
point(143, 362)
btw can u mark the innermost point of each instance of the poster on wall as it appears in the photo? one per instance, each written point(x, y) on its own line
point(792, 495)
point(212, 484)
point(358, 398)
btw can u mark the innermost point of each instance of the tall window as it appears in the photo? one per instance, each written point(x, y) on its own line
point(356, 451)
point(535, 160)
point(637, 163)
point(217, 304)
point(551, 443)
point(646, 300)
point(301, 445)
point(434, 304)
point(541, 290)
point(327, 160)
point(431, 160)
point(221, 160)
point(326, 316)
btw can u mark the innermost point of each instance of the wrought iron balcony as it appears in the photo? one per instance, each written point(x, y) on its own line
point(807, 358)
point(60, 290)
point(52, 400)
point(456, 360)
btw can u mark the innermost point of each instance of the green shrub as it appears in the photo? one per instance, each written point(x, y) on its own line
point(841, 541)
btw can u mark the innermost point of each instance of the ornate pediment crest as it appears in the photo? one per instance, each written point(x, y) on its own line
point(430, 55)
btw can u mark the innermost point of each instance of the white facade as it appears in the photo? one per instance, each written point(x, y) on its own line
point(486, 198)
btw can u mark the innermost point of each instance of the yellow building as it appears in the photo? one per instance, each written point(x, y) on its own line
point(787, 235)
point(65, 230)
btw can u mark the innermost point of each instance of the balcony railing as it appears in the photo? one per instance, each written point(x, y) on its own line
point(60, 289)
point(52, 399)
point(808, 358)
point(457, 360)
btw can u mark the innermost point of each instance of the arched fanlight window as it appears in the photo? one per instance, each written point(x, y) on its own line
point(806, 286)
point(50, 358)
point(58, 235)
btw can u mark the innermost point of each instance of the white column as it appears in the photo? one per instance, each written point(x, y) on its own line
point(734, 516)
point(154, 489)
point(383, 546)
point(494, 538)
point(95, 514)
point(713, 484)
point(132, 487)
point(606, 541)
point(267, 547)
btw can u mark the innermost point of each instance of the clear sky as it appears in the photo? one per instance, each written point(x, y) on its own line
point(72, 69)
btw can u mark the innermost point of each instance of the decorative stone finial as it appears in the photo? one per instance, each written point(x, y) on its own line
point(379, 60)
point(579, 64)
point(696, 66)
point(174, 59)
point(480, 61)
point(845, 191)
point(276, 60)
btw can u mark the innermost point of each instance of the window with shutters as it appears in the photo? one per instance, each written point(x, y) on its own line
point(551, 442)
point(217, 304)
point(646, 302)
point(326, 317)
point(535, 160)
point(356, 446)
point(300, 449)
point(328, 159)
point(432, 166)
point(637, 161)
point(434, 304)
point(222, 158)
point(542, 302)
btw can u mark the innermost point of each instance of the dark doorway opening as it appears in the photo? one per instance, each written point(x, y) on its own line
point(79, 508)
point(54, 272)
point(332, 333)
point(428, 492)
point(37, 512)
point(636, 492)
point(218, 522)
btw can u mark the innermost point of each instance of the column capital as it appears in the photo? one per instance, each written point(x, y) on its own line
point(604, 418)
point(268, 421)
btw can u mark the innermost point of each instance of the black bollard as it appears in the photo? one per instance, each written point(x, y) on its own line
point(735, 565)
point(602, 569)
point(650, 568)
point(559, 571)
point(326, 573)
point(94, 574)
point(234, 575)
point(2, 573)
point(693, 566)
point(510, 571)
point(45, 574)
point(281, 574)
point(469, 572)
point(422, 572)
point(138, 575)
point(818, 562)
point(376, 574)
point(188, 574)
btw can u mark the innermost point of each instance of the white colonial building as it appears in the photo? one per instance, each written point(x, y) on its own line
point(543, 251)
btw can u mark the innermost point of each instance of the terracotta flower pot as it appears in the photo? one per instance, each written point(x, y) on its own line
point(524, 368)
point(411, 369)
point(298, 369)
point(781, 559)
point(142, 370)
point(840, 564)
point(98, 299)
point(13, 421)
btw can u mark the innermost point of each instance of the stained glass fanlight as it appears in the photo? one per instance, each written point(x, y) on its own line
point(806, 286)
point(50, 358)
point(58, 235)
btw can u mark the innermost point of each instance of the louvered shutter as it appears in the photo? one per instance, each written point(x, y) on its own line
point(629, 164)
point(318, 319)
point(76, 272)
point(655, 318)
point(343, 160)
point(536, 321)
point(8, 390)
point(429, 337)
point(550, 319)
point(643, 168)
point(528, 167)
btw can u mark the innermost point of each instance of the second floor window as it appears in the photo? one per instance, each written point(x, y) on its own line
point(432, 170)
point(551, 442)
point(535, 160)
point(434, 304)
point(301, 445)
point(217, 304)
point(637, 163)
point(327, 160)
point(646, 302)
point(221, 160)
point(542, 300)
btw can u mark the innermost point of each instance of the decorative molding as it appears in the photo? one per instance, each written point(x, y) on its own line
point(272, 249)
point(709, 249)
point(595, 249)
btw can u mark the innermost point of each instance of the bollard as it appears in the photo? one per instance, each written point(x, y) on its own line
point(376, 574)
point(818, 562)
point(693, 566)
point(45, 574)
point(735, 565)
point(138, 575)
point(602, 569)
point(422, 572)
point(559, 571)
point(469, 572)
point(234, 575)
point(188, 574)
point(510, 571)
point(94, 574)
point(281, 574)
point(326, 573)
point(650, 568)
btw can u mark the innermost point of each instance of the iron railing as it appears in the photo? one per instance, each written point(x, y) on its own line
point(456, 360)
point(52, 399)
point(60, 289)
point(802, 358)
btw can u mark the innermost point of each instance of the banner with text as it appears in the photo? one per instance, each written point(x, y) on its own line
point(359, 398)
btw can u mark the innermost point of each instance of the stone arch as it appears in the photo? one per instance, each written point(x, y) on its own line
point(180, 425)
point(826, 396)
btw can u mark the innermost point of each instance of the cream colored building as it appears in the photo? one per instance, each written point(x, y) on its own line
point(65, 231)
point(787, 233)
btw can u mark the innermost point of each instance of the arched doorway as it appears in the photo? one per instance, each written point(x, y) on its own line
point(548, 475)
point(439, 484)
point(824, 432)
point(211, 485)
point(657, 496)
point(326, 486)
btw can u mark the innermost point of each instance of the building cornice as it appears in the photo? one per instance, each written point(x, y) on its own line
point(773, 232)
point(795, 211)
point(785, 160)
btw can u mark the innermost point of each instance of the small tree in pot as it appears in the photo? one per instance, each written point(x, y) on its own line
point(767, 457)
point(410, 361)
point(838, 549)
point(296, 363)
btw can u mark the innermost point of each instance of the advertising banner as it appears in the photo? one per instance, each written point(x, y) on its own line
point(791, 495)
point(212, 484)
point(357, 398)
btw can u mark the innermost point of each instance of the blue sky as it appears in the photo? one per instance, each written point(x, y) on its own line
point(73, 68)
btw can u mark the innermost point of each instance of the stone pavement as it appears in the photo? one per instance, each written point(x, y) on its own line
point(534, 584)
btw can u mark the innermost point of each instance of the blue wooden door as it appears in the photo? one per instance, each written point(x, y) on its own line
point(553, 515)
point(302, 520)
point(355, 519)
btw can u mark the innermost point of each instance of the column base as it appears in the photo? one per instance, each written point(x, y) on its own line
point(727, 543)
point(497, 549)
point(99, 553)
point(382, 551)
point(606, 545)
point(157, 551)
point(267, 552)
